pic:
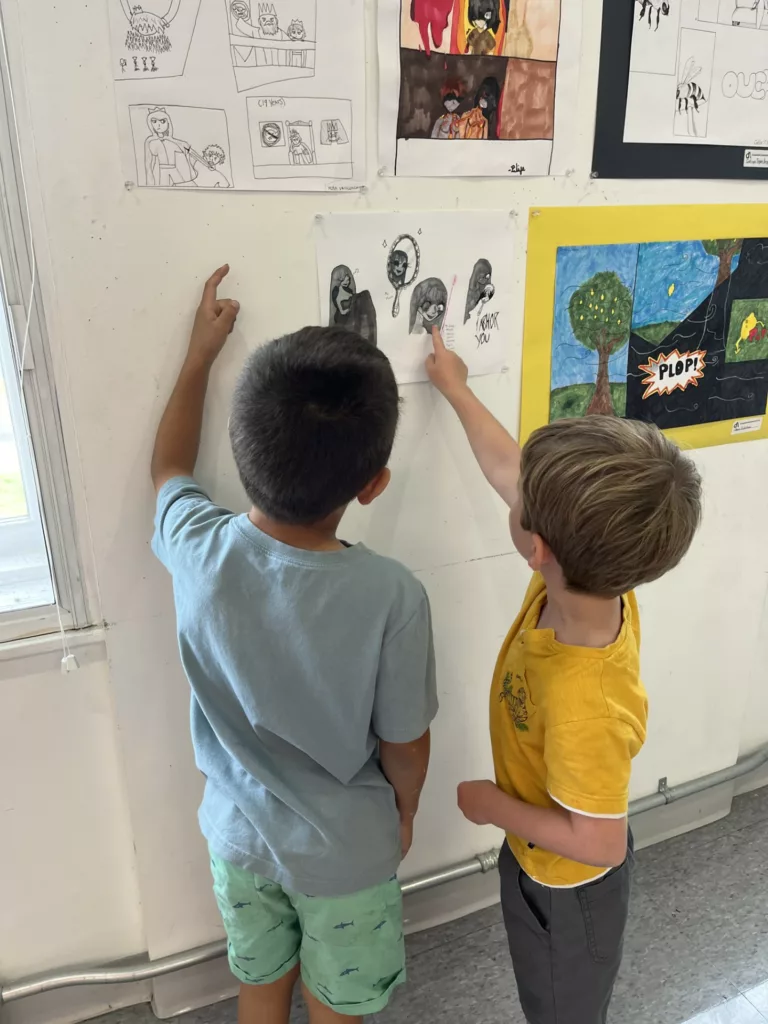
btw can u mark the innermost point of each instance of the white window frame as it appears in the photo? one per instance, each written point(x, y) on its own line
point(53, 491)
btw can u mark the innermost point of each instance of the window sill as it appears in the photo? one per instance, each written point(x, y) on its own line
point(43, 654)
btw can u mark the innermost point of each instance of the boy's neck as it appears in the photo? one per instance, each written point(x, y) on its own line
point(580, 620)
point(317, 537)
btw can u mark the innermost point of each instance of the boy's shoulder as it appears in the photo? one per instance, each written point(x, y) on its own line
point(586, 685)
point(395, 580)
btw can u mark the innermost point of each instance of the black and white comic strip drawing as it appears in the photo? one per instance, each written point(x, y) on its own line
point(698, 71)
point(180, 147)
point(295, 137)
point(271, 40)
point(350, 308)
point(151, 39)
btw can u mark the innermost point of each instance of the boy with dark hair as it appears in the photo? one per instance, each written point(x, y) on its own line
point(597, 506)
point(311, 666)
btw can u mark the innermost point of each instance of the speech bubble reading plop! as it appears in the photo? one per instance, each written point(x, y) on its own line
point(673, 372)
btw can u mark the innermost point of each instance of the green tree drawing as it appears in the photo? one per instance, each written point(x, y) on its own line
point(725, 249)
point(601, 315)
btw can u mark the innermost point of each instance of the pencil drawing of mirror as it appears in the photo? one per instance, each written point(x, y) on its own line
point(402, 266)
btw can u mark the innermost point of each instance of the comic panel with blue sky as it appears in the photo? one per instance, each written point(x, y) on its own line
point(671, 332)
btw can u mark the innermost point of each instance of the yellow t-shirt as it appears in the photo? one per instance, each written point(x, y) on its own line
point(565, 725)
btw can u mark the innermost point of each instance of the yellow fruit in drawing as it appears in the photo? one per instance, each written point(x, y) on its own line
point(671, 290)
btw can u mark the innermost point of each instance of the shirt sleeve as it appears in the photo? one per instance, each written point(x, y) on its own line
point(185, 521)
point(589, 764)
point(406, 687)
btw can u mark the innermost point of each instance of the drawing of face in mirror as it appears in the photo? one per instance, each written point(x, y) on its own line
point(402, 266)
point(428, 304)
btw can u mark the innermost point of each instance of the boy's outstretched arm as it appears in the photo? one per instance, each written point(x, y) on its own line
point(496, 451)
point(405, 766)
point(178, 436)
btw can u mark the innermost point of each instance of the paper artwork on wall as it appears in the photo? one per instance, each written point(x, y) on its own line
point(681, 85)
point(391, 277)
point(478, 87)
point(630, 314)
point(240, 94)
point(697, 69)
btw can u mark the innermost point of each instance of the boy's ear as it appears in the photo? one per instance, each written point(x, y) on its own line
point(376, 487)
point(541, 553)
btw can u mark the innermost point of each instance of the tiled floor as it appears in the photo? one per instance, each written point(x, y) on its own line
point(697, 943)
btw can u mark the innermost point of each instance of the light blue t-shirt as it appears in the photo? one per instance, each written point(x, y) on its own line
point(299, 662)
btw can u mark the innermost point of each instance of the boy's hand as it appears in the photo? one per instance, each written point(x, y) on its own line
point(447, 371)
point(477, 801)
point(406, 835)
point(214, 321)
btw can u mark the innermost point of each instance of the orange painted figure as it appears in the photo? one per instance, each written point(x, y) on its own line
point(481, 121)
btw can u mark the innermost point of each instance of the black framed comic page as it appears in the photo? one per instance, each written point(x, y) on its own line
point(682, 89)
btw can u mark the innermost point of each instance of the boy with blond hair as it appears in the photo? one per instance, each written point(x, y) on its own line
point(597, 507)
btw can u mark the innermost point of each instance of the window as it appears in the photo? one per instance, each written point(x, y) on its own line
point(40, 578)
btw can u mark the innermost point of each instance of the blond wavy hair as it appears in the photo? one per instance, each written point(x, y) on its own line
point(615, 500)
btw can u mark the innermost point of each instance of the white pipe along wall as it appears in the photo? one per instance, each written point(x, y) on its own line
point(101, 856)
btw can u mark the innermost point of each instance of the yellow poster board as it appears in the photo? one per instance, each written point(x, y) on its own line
point(696, 343)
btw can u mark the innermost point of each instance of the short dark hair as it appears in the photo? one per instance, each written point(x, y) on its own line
point(314, 418)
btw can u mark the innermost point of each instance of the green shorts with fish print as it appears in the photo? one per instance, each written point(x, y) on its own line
point(350, 948)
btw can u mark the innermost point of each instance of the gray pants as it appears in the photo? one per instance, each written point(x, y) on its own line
point(566, 944)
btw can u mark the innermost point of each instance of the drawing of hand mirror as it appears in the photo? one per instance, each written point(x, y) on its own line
point(403, 264)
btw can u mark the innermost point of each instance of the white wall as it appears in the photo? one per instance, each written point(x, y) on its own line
point(69, 888)
point(120, 272)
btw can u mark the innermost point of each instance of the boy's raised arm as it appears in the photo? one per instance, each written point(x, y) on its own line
point(178, 437)
point(496, 451)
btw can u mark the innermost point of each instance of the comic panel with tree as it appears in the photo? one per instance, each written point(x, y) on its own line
point(670, 332)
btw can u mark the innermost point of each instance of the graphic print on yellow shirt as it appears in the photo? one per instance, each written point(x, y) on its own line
point(565, 724)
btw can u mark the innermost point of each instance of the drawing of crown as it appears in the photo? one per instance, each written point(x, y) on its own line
point(267, 9)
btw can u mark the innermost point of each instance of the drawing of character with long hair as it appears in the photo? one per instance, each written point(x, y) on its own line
point(428, 303)
point(168, 161)
point(481, 121)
